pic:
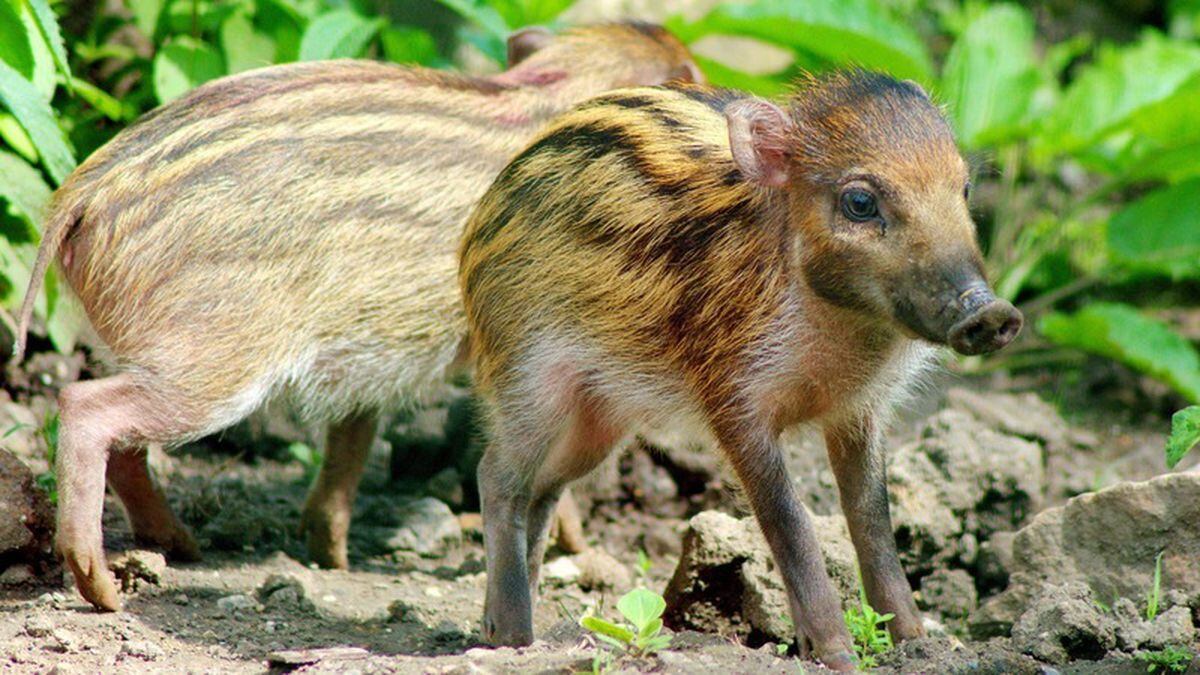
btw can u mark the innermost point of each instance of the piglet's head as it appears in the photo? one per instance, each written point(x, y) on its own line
point(877, 195)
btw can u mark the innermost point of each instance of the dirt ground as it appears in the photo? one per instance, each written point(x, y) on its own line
point(254, 604)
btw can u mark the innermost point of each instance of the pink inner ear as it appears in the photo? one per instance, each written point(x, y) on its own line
point(758, 138)
point(525, 42)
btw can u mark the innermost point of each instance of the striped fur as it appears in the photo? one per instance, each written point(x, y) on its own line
point(292, 230)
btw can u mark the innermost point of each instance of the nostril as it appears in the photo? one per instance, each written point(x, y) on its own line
point(1009, 330)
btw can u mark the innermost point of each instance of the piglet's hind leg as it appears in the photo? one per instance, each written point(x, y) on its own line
point(153, 522)
point(94, 417)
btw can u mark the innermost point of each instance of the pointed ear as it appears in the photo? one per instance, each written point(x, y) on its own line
point(759, 133)
point(916, 86)
point(525, 42)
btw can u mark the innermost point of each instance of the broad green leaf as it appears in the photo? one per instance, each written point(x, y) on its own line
point(990, 75)
point(1171, 164)
point(48, 27)
point(518, 13)
point(15, 49)
point(23, 187)
point(196, 17)
point(284, 24)
point(338, 34)
point(244, 45)
point(1160, 232)
point(1185, 434)
point(483, 14)
point(722, 75)
point(183, 65)
point(1110, 91)
point(405, 44)
point(1165, 136)
point(44, 69)
point(16, 138)
point(491, 45)
point(100, 100)
point(146, 14)
point(36, 117)
point(858, 32)
point(641, 607)
point(650, 629)
point(1120, 332)
point(604, 628)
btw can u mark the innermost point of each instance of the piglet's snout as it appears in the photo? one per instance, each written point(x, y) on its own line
point(993, 324)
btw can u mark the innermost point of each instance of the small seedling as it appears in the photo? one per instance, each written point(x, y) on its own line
point(640, 637)
point(47, 481)
point(1169, 659)
point(867, 627)
point(643, 564)
point(309, 458)
point(1154, 595)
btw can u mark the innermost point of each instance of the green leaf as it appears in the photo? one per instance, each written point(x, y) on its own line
point(244, 45)
point(16, 138)
point(37, 119)
point(101, 101)
point(48, 26)
point(603, 628)
point(482, 14)
point(284, 24)
point(1120, 332)
point(857, 32)
point(530, 12)
point(15, 49)
point(338, 34)
point(1110, 91)
point(146, 14)
point(722, 75)
point(651, 628)
point(641, 607)
point(405, 44)
point(1185, 434)
point(183, 65)
point(22, 186)
point(1160, 232)
point(990, 75)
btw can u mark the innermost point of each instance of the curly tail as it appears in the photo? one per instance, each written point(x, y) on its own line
point(57, 228)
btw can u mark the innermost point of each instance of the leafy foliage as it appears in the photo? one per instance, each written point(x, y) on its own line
point(643, 611)
point(1185, 434)
point(1170, 659)
point(868, 628)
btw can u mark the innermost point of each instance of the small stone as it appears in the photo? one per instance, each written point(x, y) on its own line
point(136, 567)
point(232, 604)
point(600, 571)
point(38, 626)
point(64, 640)
point(17, 575)
point(561, 571)
point(433, 592)
point(286, 590)
point(427, 527)
point(181, 599)
point(951, 592)
point(402, 612)
point(142, 649)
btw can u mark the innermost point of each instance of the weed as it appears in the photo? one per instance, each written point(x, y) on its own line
point(309, 458)
point(640, 636)
point(48, 481)
point(1154, 595)
point(871, 638)
point(1169, 659)
point(643, 565)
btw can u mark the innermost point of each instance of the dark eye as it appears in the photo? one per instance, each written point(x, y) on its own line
point(859, 205)
point(967, 192)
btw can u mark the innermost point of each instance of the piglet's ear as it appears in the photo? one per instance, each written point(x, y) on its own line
point(525, 42)
point(759, 134)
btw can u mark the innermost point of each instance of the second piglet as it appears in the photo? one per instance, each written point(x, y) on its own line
point(289, 232)
point(691, 252)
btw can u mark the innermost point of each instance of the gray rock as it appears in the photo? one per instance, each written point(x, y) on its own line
point(134, 568)
point(1064, 623)
point(1107, 541)
point(286, 591)
point(142, 649)
point(958, 484)
point(26, 518)
point(726, 581)
point(950, 592)
point(600, 571)
point(426, 527)
point(232, 604)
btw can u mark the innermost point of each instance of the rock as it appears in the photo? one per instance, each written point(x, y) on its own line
point(561, 571)
point(285, 591)
point(950, 592)
point(133, 568)
point(993, 564)
point(726, 581)
point(447, 486)
point(293, 658)
point(232, 604)
point(38, 626)
point(427, 527)
point(26, 519)
point(1064, 623)
point(600, 571)
point(1170, 627)
point(955, 486)
point(17, 575)
point(20, 428)
point(142, 649)
point(650, 485)
point(1107, 541)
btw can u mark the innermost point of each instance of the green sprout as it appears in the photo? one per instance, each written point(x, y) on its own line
point(1169, 659)
point(867, 627)
point(643, 611)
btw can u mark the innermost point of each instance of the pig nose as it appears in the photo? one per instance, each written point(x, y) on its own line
point(987, 329)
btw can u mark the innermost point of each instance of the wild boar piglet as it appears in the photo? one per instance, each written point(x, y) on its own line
point(289, 232)
point(685, 251)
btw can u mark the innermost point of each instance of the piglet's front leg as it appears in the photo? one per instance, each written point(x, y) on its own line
point(815, 606)
point(857, 456)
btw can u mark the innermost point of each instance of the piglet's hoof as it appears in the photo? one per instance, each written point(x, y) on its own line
point(842, 661)
point(95, 583)
point(499, 635)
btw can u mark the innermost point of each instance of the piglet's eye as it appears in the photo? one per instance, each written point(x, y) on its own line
point(859, 205)
point(967, 192)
